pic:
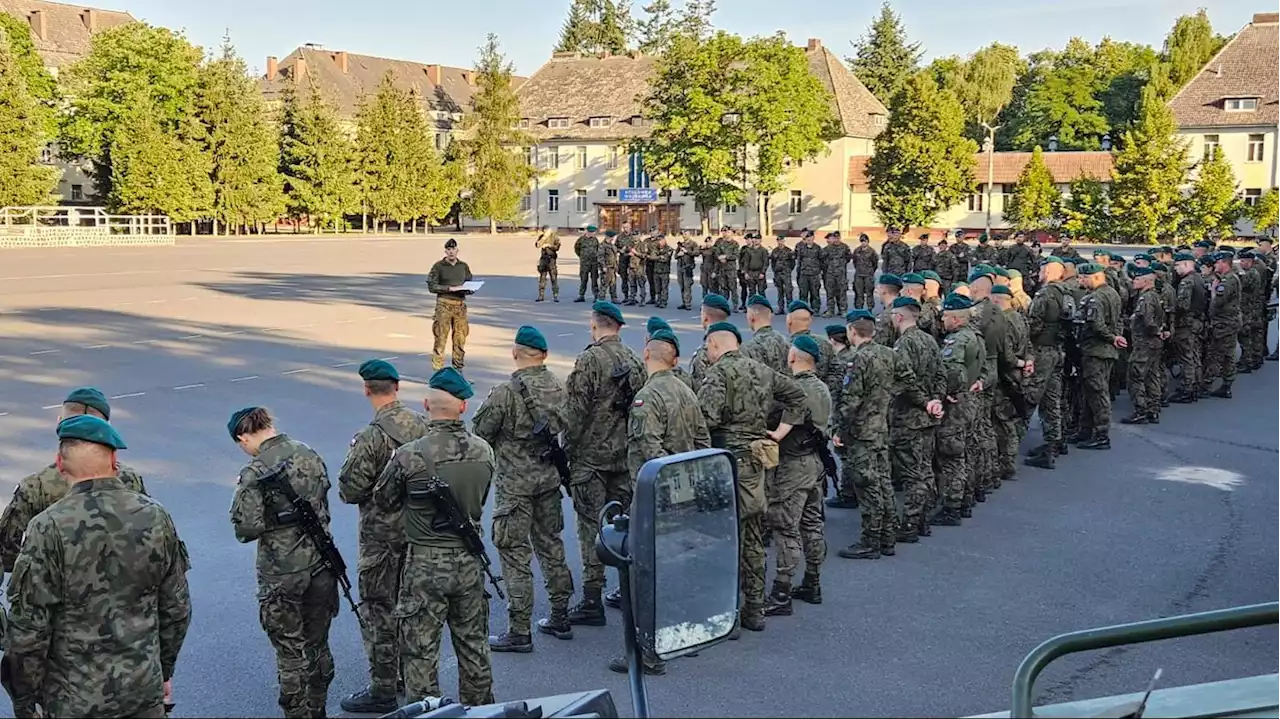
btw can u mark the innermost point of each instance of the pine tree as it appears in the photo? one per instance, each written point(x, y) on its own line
point(156, 171)
point(923, 163)
point(241, 144)
point(1212, 207)
point(315, 159)
point(1035, 197)
point(695, 18)
point(498, 176)
point(379, 151)
point(1150, 170)
point(653, 34)
point(1086, 211)
point(614, 27)
point(1264, 213)
point(1188, 46)
point(883, 59)
point(26, 181)
point(577, 32)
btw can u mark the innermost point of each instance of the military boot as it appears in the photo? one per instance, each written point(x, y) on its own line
point(861, 550)
point(778, 603)
point(980, 495)
point(945, 518)
point(1182, 398)
point(1222, 392)
point(366, 702)
point(613, 598)
point(1099, 441)
point(966, 511)
point(511, 642)
point(1136, 418)
point(590, 611)
point(908, 535)
point(1040, 449)
point(653, 666)
point(1043, 461)
point(1061, 449)
point(557, 625)
point(809, 589)
point(753, 619)
point(581, 299)
point(922, 527)
point(1274, 356)
point(842, 503)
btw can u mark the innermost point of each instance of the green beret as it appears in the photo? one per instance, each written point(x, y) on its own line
point(859, 314)
point(797, 305)
point(1077, 261)
point(1205, 261)
point(1141, 272)
point(91, 397)
point(1245, 252)
point(954, 302)
point(1002, 290)
point(1100, 252)
point(608, 309)
point(1159, 267)
point(924, 236)
point(913, 278)
point(1000, 271)
point(666, 335)
point(760, 300)
point(983, 237)
point(610, 233)
point(1184, 257)
point(717, 302)
point(450, 244)
point(1051, 260)
point(1223, 256)
point(808, 345)
point(234, 422)
point(591, 228)
point(981, 271)
point(1090, 268)
point(724, 327)
point(1143, 256)
point(1115, 256)
point(376, 369)
point(1206, 244)
point(90, 429)
point(931, 275)
point(889, 279)
point(906, 302)
point(1226, 248)
point(654, 324)
point(528, 336)
point(451, 380)
point(836, 330)
point(1165, 249)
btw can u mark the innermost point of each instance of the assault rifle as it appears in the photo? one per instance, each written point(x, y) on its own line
point(450, 518)
point(554, 451)
point(302, 514)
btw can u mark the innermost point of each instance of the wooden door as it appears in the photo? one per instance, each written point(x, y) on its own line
point(609, 218)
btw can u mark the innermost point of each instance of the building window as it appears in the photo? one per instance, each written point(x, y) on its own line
point(558, 123)
point(580, 200)
point(601, 121)
point(528, 156)
point(47, 154)
point(977, 198)
point(613, 158)
point(442, 140)
point(611, 193)
point(523, 124)
point(553, 200)
point(526, 202)
point(1256, 145)
point(77, 192)
point(796, 205)
point(730, 209)
point(553, 158)
point(1240, 104)
point(638, 121)
point(582, 158)
point(1251, 196)
point(1210, 144)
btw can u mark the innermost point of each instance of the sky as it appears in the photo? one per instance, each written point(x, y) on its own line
point(448, 33)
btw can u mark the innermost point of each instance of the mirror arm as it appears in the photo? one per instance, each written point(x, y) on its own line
point(611, 548)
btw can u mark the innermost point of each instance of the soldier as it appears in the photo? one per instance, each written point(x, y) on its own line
point(1020, 257)
point(947, 267)
point(443, 582)
point(587, 248)
point(742, 278)
point(911, 425)
point(708, 275)
point(888, 289)
point(1224, 325)
point(660, 258)
point(736, 398)
point(765, 346)
point(755, 265)
point(984, 253)
point(297, 597)
point(963, 357)
point(726, 263)
point(664, 420)
point(652, 326)
point(922, 255)
point(626, 266)
point(960, 249)
point(1254, 291)
point(1019, 299)
point(1008, 398)
point(1099, 347)
point(862, 425)
point(1065, 249)
point(928, 319)
point(686, 260)
point(548, 244)
point(382, 549)
point(445, 280)
point(782, 261)
point(794, 491)
point(800, 322)
point(809, 270)
point(609, 265)
point(1148, 328)
point(37, 492)
point(1188, 329)
point(714, 309)
point(865, 262)
point(838, 336)
point(895, 253)
point(638, 251)
point(601, 387)
point(1048, 318)
point(99, 603)
point(990, 323)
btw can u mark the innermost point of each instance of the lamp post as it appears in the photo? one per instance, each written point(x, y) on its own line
point(989, 147)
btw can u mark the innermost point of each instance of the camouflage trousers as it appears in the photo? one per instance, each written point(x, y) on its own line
point(588, 273)
point(1072, 403)
point(981, 448)
point(525, 526)
point(727, 282)
point(1004, 423)
point(1185, 345)
point(661, 284)
point(624, 278)
point(951, 444)
point(450, 319)
point(1220, 354)
point(1253, 339)
point(1044, 391)
point(911, 462)
point(810, 290)
point(864, 291)
point(847, 489)
point(685, 276)
point(378, 576)
point(837, 284)
point(794, 515)
point(706, 279)
point(755, 283)
point(550, 272)
point(1145, 369)
point(784, 289)
point(609, 282)
point(444, 585)
point(636, 284)
point(752, 503)
point(870, 461)
point(1095, 395)
point(295, 611)
point(591, 489)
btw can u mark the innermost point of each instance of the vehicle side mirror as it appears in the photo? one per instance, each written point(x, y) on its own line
point(684, 545)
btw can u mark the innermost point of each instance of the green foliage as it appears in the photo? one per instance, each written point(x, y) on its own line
point(1213, 206)
point(241, 143)
point(1085, 213)
point(695, 19)
point(653, 34)
point(40, 85)
point(987, 83)
point(883, 59)
point(1036, 198)
point(576, 33)
point(596, 26)
point(1188, 46)
point(498, 175)
point(1150, 169)
point(1064, 103)
point(1263, 213)
point(315, 159)
point(156, 170)
point(22, 116)
point(923, 163)
point(1124, 69)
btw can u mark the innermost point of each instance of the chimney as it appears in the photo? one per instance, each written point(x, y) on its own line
point(273, 66)
point(815, 43)
point(1266, 18)
point(38, 23)
point(340, 57)
point(433, 74)
point(89, 17)
point(299, 69)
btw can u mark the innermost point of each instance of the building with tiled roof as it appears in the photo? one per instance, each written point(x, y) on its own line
point(583, 110)
point(1233, 103)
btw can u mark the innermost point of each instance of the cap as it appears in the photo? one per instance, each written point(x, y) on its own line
point(797, 305)
point(717, 302)
point(654, 324)
point(666, 335)
point(808, 345)
point(724, 327)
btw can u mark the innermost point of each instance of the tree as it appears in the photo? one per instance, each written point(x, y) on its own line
point(315, 159)
point(695, 19)
point(576, 33)
point(883, 59)
point(596, 26)
point(41, 86)
point(1086, 210)
point(497, 175)
point(653, 34)
point(1188, 46)
point(1035, 198)
point(1064, 104)
point(988, 80)
point(1263, 213)
point(1213, 206)
point(22, 136)
point(923, 163)
point(156, 171)
point(1124, 69)
point(241, 144)
point(1150, 169)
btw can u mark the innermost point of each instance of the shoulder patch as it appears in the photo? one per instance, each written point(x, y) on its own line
point(638, 403)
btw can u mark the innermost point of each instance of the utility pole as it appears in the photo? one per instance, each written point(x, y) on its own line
point(989, 146)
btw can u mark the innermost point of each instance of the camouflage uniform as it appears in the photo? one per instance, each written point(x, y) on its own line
point(1101, 312)
point(736, 397)
point(911, 428)
point(1144, 356)
point(1254, 292)
point(1044, 387)
point(783, 262)
point(809, 271)
point(707, 275)
point(963, 254)
point(865, 262)
point(442, 581)
point(948, 268)
point(964, 355)
point(827, 369)
point(755, 267)
point(983, 254)
point(896, 256)
point(726, 270)
point(835, 272)
point(930, 319)
point(884, 334)
point(296, 599)
point(451, 311)
point(626, 265)
point(795, 491)
point(698, 366)
point(587, 248)
point(636, 252)
point(527, 516)
point(1008, 408)
point(686, 259)
point(99, 605)
point(991, 324)
point(922, 258)
point(1224, 326)
point(664, 420)
point(1188, 329)
point(660, 259)
point(609, 268)
point(769, 348)
point(381, 555)
point(548, 245)
point(36, 493)
point(846, 492)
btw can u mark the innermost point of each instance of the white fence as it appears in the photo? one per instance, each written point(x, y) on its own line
point(80, 227)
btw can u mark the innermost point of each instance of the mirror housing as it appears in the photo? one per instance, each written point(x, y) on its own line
point(685, 550)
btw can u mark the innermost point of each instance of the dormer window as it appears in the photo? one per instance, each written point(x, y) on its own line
point(558, 123)
point(1240, 104)
point(638, 121)
point(523, 123)
point(601, 121)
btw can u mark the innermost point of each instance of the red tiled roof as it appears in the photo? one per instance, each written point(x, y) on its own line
point(1007, 166)
point(67, 28)
point(1247, 66)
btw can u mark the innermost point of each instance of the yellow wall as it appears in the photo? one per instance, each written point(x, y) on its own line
point(1234, 142)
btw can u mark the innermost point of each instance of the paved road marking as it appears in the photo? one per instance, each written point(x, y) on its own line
point(127, 395)
point(95, 347)
point(398, 336)
point(188, 386)
point(190, 337)
point(188, 299)
point(297, 371)
point(123, 304)
point(344, 364)
point(44, 352)
point(245, 379)
point(145, 342)
point(156, 302)
point(344, 322)
point(4, 414)
point(85, 274)
point(306, 326)
point(565, 334)
point(55, 406)
point(378, 318)
point(388, 359)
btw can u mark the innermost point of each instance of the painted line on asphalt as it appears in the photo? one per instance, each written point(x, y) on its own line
point(388, 359)
point(145, 342)
point(188, 299)
point(4, 414)
point(306, 326)
point(276, 292)
point(344, 364)
point(55, 406)
point(128, 395)
point(94, 347)
point(190, 337)
point(398, 336)
point(297, 371)
point(156, 302)
point(377, 319)
point(344, 322)
point(181, 387)
point(44, 352)
point(244, 379)
point(565, 334)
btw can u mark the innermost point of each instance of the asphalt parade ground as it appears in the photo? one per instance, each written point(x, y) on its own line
point(1178, 517)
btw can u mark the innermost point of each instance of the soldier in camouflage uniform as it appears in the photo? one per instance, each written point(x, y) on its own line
point(637, 251)
point(800, 322)
point(961, 250)
point(736, 398)
point(609, 266)
point(755, 266)
point(1048, 318)
point(601, 388)
point(888, 288)
point(714, 309)
point(782, 261)
point(766, 345)
point(845, 491)
point(587, 248)
point(984, 253)
point(835, 273)
point(725, 256)
point(1065, 249)
point(914, 285)
point(687, 252)
point(381, 555)
point(1008, 399)
point(660, 260)
point(99, 603)
point(809, 270)
point(1224, 326)
point(527, 518)
point(626, 266)
point(947, 267)
point(795, 489)
point(1254, 291)
point(297, 598)
point(1099, 348)
point(1148, 328)
point(1188, 328)
point(707, 274)
point(548, 245)
point(445, 280)
point(911, 425)
point(865, 262)
point(895, 254)
point(37, 492)
point(963, 356)
point(443, 582)
point(922, 255)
